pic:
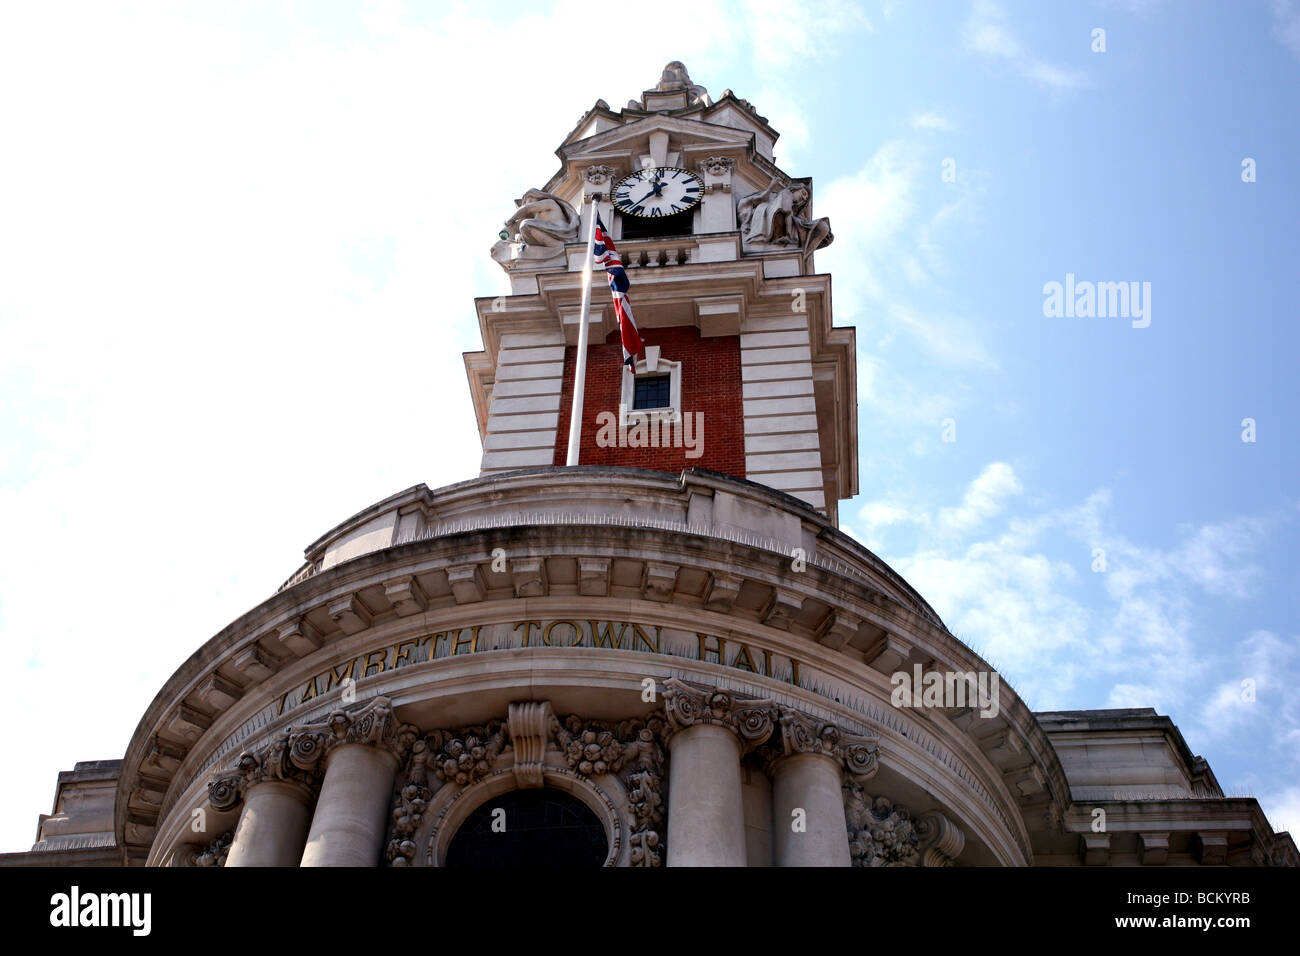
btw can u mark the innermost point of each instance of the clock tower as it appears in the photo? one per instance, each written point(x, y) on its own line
point(743, 372)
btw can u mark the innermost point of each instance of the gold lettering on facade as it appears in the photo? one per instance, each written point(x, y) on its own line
point(309, 691)
point(528, 629)
point(471, 642)
point(371, 662)
point(577, 634)
point(640, 635)
point(402, 652)
point(603, 638)
point(720, 649)
point(337, 675)
point(611, 634)
point(744, 660)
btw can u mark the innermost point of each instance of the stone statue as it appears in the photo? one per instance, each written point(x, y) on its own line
point(675, 77)
point(775, 216)
point(542, 224)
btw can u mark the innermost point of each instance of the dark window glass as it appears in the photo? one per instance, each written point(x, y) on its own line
point(658, 227)
point(543, 827)
point(652, 391)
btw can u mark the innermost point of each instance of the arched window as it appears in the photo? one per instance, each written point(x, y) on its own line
point(543, 827)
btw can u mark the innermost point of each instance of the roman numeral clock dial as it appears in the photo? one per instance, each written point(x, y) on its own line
point(658, 191)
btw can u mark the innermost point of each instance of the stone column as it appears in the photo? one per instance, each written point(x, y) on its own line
point(275, 786)
point(272, 826)
point(807, 762)
point(351, 815)
point(708, 734)
point(362, 749)
point(808, 822)
point(706, 815)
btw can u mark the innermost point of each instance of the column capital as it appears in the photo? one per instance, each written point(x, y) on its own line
point(270, 762)
point(751, 719)
point(371, 724)
point(297, 755)
point(856, 755)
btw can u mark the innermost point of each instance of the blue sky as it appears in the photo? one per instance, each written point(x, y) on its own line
point(240, 245)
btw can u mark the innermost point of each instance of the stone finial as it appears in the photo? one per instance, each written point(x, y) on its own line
point(675, 77)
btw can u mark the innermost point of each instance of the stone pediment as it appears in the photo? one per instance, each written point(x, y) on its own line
point(621, 147)
point(687, 130)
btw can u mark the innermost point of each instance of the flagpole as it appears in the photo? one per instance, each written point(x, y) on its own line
point(580, 366)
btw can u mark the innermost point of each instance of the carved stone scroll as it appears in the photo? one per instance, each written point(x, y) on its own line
point(940, 840)
point(752, 719)
point(530, 726)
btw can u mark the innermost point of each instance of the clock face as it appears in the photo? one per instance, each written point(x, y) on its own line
point(658, 191)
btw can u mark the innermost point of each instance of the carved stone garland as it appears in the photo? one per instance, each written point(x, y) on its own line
point(631, 750)
point(884, 834)
point(459, 757)
point(214, 854)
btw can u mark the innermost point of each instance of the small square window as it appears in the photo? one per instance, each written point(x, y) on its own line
point(652, 391)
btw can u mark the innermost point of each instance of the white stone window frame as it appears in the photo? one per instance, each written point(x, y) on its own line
point(652, 364)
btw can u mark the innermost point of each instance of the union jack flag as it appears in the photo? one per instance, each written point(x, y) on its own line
point(606, 255)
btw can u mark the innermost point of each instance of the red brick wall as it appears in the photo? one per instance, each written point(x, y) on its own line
point(710, 385)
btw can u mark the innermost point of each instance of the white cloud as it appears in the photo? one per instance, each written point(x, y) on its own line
point(786, 116)
point(881, 233)
point(987, 33)
point(931, 121)
point(1014, 583)
point(1286, 24)
point(787, 31)
point(984, 498)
